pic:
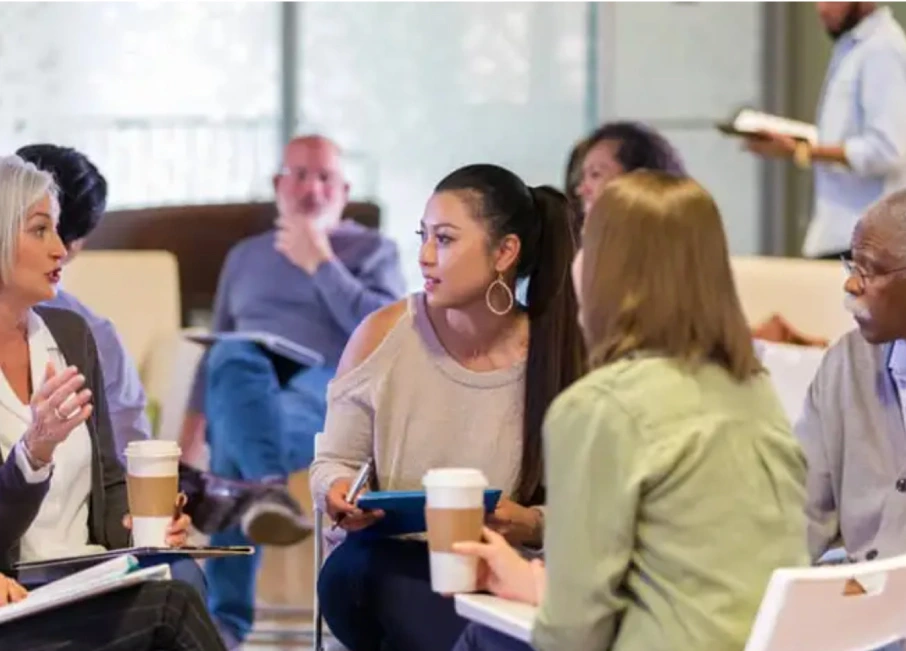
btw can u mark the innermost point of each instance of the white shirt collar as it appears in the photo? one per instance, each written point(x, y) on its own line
point(870, 23)
point(42, 348)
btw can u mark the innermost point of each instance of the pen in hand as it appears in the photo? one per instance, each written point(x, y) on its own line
point(361, 479)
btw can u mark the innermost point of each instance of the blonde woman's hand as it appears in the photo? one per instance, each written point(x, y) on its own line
point(10, 591)
point(501, 570)
point(57, 408)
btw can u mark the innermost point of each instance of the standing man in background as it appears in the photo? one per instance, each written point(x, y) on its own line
point(860, 155)
point(311, 280)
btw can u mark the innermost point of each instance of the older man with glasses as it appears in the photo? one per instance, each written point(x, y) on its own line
point(853, 427)
point(311, 280)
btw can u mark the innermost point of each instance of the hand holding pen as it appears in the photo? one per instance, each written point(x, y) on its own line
point(341, 499)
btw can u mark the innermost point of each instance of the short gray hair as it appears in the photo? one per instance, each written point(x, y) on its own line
point(22, 185)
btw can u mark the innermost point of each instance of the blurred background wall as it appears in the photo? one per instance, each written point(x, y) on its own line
point(183, 103)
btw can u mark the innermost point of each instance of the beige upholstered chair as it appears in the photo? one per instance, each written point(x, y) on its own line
point(807, 293)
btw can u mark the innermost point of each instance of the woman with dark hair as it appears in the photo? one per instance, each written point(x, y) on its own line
point(457, 375)
point(614, 149)
point(675, 485)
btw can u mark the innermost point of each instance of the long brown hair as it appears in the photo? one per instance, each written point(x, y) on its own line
point(656, 276)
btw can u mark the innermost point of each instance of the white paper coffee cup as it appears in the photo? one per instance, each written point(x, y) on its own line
point(454, 510)
point(152, 482)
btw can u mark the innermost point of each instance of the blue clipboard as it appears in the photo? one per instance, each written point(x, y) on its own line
point(404, 511)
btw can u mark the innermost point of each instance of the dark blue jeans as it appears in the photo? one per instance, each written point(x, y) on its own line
point(376, 595)
point(481, 638)
point(262, 421)
point(187, 571)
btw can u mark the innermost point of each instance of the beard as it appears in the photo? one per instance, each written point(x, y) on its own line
point(852, 18)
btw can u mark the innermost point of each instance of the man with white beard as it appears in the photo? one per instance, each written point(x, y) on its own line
point(852, 426)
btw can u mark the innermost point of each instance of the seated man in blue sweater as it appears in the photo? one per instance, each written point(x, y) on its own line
point(311, 280)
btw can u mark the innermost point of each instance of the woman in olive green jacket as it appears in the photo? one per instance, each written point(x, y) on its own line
point(675, 486)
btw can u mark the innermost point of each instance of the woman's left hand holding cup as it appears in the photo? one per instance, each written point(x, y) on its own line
point(178, 529)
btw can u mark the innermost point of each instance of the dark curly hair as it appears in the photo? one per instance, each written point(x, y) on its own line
point(640, 147)
point(83, 189)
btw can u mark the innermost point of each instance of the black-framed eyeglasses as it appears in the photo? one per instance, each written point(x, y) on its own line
point(852, 269)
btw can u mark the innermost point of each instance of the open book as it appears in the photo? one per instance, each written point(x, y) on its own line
point(274, 343)
point(748, 122)
point(116, 574)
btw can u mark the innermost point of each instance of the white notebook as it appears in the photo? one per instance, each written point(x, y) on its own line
point(508, 617)
point(113, 575)
point(849, 607)
point(274, 343)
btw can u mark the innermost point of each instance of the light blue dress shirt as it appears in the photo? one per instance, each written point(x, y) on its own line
point(862, 108)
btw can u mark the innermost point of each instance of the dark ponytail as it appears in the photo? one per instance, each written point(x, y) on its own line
point(542, 219)
point(556, 351)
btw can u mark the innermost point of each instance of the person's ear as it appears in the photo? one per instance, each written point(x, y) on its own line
point(507, 254)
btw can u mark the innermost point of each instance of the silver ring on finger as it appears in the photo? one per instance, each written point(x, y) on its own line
point(59, 414)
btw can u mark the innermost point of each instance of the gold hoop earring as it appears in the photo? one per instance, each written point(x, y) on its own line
point(509, 295)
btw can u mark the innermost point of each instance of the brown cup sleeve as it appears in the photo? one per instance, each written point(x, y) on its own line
point(448, 526)
point(152, 497)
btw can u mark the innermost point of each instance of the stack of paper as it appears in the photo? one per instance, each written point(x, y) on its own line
point(116, 574)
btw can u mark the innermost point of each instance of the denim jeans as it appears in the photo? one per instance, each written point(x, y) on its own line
point(481, 638)
point(375, 594)
point(263, 415)
point(183, 569)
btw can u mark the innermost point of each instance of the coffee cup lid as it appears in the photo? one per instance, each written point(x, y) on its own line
point(152, 448)
point(465, 477)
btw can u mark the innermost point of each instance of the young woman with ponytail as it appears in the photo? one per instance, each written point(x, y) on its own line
point(460, 374)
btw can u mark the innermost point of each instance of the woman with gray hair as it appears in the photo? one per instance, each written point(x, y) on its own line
point(62, 489)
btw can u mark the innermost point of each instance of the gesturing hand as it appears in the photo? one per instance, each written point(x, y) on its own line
point(57, 408)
